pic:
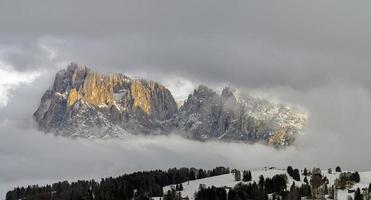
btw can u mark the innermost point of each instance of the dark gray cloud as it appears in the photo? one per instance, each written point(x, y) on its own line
point(255, 43)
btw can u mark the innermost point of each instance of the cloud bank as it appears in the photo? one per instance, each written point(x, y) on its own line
point(302, 45)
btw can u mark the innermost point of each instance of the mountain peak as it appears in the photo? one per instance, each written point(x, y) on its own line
point(90, 104)
point(111, 102)
point(231, 93)
point(202, 89)
point(75, 67)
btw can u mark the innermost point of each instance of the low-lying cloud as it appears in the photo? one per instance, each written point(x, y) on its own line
point(30, 157)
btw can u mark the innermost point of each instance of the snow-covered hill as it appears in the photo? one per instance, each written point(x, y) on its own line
point(227, 180)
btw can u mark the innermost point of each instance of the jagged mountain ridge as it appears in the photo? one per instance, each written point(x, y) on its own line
point(236, 116)
point(85, 103)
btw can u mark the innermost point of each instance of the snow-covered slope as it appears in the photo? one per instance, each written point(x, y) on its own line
point(227, 180)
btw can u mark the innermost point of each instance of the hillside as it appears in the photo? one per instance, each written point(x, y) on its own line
point(191, 183)
point(228, 181)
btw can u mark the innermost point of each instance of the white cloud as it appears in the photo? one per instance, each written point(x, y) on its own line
point(31, 157)
point(20, 65)
point(179, 87)
point(10, 79)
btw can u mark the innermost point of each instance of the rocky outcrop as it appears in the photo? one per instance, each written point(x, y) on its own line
point(234, 116)
point(90, 104)
point(86, 103)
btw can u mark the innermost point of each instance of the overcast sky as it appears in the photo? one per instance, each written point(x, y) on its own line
point(312, 54)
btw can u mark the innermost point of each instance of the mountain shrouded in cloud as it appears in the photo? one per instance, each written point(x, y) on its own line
point(85, 103)
point(310, 54)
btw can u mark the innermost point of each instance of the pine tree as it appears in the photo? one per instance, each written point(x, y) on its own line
point(356, 177)
point(292, 186)
point(338, 169)
point(358, 195)
point(290, 170)
point(237, 175)
point(294, 193)
point(261, 182)
point(180, 187)
point(305, 190)
point(305, 173)
point(192, 175)
point(296, 175)
point(306, 180)
point(246, 176)
point(201, 174)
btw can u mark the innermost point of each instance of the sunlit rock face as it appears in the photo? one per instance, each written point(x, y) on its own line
point(86, 103)
point(89, 104)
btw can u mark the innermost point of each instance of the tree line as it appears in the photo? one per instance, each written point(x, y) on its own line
point(277, 186)
point(138, 185)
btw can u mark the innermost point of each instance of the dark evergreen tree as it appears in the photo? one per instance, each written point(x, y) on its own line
point(201, 174)
point(246, 176)
point(237, 175)
point(232, 195)
point(211, 193)
point(342, 181)
point(358, 195)
point(296, 175)
point(290, 170)
point(305, 190)
point(355, 177)
point(219, 171)
point(293, 194)
point(338, 169)
point(172, 195)
point(261, 182)
point(305, 173)
point(180, 187)
point(276, 184)
point(306, 180)
point(316, 180)
point(192, 175)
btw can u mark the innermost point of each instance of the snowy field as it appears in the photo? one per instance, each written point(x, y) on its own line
point(190, 187)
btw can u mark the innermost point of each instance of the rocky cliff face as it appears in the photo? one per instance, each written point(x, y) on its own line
point(89, 104)
point(234, 116)
point(85, 103)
